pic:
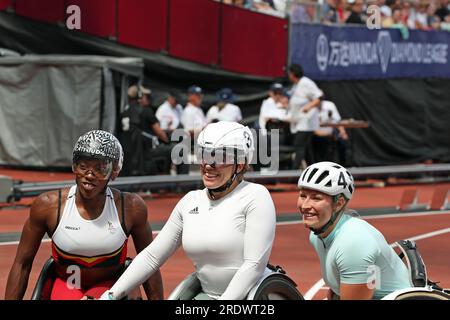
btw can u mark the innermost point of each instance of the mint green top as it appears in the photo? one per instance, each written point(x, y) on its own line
point(355, 253)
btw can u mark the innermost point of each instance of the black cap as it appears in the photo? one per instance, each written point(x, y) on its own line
point(276, 87)
point(225, 95)
point(195, 90)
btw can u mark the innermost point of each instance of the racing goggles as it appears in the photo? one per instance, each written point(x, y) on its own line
point(219, 156)
point(100, 169)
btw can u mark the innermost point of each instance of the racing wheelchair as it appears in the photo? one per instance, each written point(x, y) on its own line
point(422, 287)
point(44, 284)
point(273, 285)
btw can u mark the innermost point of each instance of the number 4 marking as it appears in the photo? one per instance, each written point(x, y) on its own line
point(341, 180)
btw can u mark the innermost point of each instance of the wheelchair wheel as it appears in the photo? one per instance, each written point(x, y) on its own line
point(187, 289)
point(277, 287)
point(44, 284)
point(425, 293)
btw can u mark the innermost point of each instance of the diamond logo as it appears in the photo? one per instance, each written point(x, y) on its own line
point(384, 46)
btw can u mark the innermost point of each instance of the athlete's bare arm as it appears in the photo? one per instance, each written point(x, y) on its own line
point(356, 292)
point(42, 209)
point(140, 230)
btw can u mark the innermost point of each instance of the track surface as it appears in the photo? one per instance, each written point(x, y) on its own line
point(291, 248)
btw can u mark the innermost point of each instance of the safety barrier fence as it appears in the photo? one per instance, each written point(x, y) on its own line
point(19, 189)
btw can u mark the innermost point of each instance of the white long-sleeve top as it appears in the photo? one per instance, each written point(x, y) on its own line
point(304, 92)
point(229, 241)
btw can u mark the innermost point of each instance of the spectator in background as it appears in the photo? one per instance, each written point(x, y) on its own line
point(356, 8)
point(386, 8)
point(443, 10)
point(326, 139)
point(398, 23)
point(193, 119)
point(157, 150)
point(267, 7)
point(341, 12)
point(271, 107)
point(130, 133)
point(329, 13)
point(169, 113)
point(445, 25)
point(149, 123)
point(239, 3)
point(418, 18)
point(434, 22)
point(303, 112)
point(302, 13)
point(224, 109)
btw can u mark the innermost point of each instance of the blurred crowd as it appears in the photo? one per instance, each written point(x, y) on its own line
point(410, 14)
point(148, 130)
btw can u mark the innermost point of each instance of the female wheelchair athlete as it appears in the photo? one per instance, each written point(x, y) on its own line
point(273, 285)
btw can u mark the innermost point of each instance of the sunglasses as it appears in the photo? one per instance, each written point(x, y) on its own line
point(218, 157)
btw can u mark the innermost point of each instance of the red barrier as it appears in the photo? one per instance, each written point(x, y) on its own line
point(48, 11)
point(203, 31)
point(97, 17)
point(4, 4)
point(194, 30)
point(253, 43)
point(143, 24)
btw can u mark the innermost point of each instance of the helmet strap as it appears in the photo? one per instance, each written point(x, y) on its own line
point(225, 187)
point(326, 225)
point(330, 222)
point(228, 184)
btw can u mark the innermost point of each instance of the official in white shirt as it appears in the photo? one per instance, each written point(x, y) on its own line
point(169, 113)
point(272, 109)
point(193, 119)
point(303, 112)
point(224, 110)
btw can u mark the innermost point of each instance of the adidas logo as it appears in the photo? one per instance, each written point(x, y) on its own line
point(194, 211)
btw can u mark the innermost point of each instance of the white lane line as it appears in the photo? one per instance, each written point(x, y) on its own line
point(430, 234)
point(318, 285)
point(314, 289)
point(401, 215)
point(387, 215)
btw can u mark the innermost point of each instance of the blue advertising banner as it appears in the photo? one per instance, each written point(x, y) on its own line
point(344, 53)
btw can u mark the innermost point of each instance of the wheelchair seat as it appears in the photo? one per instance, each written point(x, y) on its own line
point(410, 255)
point(273, 285)
point(422, 287)
point(44, 284)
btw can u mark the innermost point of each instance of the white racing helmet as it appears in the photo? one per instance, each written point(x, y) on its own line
point(329, 178)
point(226, 142)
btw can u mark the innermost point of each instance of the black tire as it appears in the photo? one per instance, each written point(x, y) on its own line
point(47, 275)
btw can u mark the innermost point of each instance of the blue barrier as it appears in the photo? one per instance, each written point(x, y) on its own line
point(344, 53)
